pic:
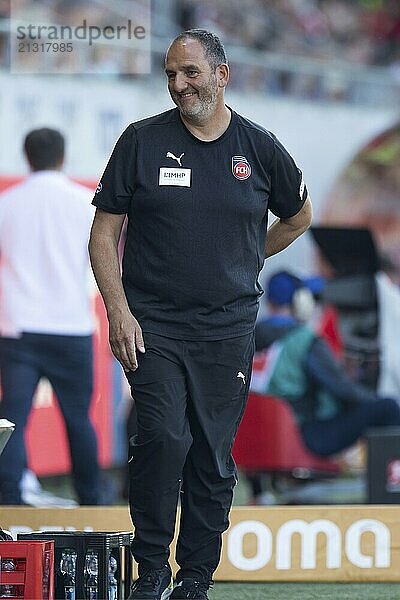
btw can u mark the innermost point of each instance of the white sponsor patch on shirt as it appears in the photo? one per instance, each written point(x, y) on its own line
point(174, 176)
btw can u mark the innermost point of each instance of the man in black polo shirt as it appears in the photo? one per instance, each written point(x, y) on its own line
point(197, 183)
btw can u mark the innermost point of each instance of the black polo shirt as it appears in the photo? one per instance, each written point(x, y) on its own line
point(197, 219)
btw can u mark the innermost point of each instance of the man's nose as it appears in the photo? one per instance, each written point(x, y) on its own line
point(180, 82)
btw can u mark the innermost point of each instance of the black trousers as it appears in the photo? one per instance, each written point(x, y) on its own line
point(66, 361)
point(190, 397)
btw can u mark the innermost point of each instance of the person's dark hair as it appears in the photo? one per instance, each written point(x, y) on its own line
point(213, 48)
point(44, 148)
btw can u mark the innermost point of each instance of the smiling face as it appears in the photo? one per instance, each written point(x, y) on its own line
point(195, 87)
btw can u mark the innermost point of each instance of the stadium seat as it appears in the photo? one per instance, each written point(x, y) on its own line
point(269, 440)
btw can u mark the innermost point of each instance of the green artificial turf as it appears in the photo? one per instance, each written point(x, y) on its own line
point(305, 591)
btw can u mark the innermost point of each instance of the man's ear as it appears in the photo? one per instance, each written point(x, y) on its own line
point(222, 73)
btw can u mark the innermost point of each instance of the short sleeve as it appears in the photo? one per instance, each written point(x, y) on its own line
point(117, 184)
point(288, 191)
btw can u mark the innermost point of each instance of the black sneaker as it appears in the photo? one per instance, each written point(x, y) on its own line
point(190, 588)
point(153, 585)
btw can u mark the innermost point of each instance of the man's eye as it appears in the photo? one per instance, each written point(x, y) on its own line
point(192, 73)
point(170, 75)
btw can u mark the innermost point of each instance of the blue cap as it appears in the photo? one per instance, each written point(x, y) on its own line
point(282, 286)
point(315, 284)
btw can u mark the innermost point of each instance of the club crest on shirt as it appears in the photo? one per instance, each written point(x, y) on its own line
point(99, 187)
point(241, 167)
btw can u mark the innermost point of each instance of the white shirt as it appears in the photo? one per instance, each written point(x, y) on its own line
point(44, 231)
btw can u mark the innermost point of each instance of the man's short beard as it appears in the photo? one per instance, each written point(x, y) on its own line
point(202, 111)
point(205, 107)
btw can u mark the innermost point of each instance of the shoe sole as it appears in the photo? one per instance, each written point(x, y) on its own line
point(164, 596)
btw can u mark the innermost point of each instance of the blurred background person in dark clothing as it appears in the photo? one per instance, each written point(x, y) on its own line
point(332, 411)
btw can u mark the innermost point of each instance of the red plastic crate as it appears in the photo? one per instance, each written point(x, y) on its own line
point(34, 574)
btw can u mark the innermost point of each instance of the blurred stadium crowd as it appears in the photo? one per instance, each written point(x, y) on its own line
point(333, 50)
point(365, 32)
point(309, 43)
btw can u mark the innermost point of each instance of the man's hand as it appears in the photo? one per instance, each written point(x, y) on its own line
point(125, 335)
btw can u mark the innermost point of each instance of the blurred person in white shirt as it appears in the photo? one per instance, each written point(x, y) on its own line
point(46, 324)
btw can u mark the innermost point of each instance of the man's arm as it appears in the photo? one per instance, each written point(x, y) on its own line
point(323, 367)
point(284, 231)
point(125, 333)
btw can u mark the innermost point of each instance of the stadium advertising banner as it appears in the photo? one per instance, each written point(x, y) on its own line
point(319, 543)
point(330, 543)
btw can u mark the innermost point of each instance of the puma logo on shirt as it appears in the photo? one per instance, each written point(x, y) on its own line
point(177, 158)
point(241, 376)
